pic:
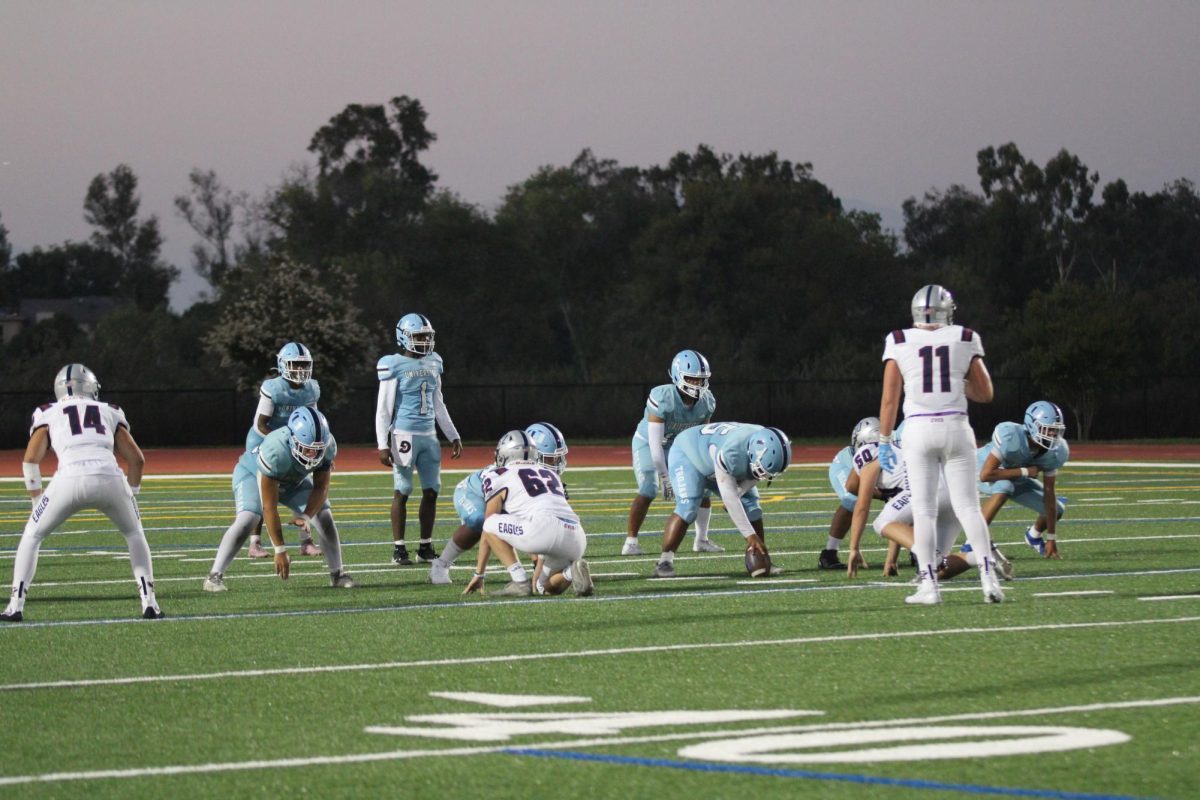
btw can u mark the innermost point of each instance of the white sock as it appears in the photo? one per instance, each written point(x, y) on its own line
point(425, 541)
point(517, 573)
point(1033, 529)
point(450, 552)
point(17, 601)
point(146, 590)
point(256, 539)
point(971, 558)
point(703, 516)
point(668, 556)
point(630, 540)
point(566, 573)
point(833, 544)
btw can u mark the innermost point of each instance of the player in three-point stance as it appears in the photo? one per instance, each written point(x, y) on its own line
point(292, 466)
point(670, 409)
point(729, 458)
point(84, 433)
point(840, 469)
point(278, 397)
point(939, 366)
point(527, 510)
point(470, 505)
point(409, 403)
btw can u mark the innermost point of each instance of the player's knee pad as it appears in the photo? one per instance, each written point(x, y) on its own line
point(687, 510)
point(647, 485)
point(402, 482)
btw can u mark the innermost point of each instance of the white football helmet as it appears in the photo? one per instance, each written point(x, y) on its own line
point(933, 306)
point(76, 380)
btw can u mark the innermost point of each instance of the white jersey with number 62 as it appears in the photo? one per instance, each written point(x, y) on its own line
point(81, 433)
point(532, 490)
point(934, 364)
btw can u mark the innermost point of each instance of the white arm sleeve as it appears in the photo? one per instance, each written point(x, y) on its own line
point(384, 407)
point(266, 407)
point(732, 498)
point(655, 432)
point(442, 414)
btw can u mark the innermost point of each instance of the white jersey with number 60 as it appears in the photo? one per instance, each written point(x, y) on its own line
point(533, 490)
point(934, 364)
point(81, 433)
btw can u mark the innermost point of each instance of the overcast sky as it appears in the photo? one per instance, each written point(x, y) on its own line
point(886, 99)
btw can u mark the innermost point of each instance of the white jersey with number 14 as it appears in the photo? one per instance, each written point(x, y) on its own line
point(81, 433)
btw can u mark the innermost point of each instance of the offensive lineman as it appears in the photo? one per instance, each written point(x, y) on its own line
point(278, 397)
point(939, 366)
point(84, 434)
point(670, 409)
point(409, 402)
point(527, 510)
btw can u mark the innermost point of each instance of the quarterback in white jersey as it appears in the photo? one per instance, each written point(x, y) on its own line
point(84, 433)
point(527, 510)
point(939, 366)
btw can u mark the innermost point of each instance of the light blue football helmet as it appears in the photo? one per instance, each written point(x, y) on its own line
point(414, 332)
point(551, 446)
point(515, 446)
point(770, 453)
point(76, 380)
point(933, 305)
point(310, 436)
point(690, 373)
point(294, 362)
point(1044, 423)
point(865, 432)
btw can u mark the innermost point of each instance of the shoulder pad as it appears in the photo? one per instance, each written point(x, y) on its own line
point(967, 334)
point(897, 336)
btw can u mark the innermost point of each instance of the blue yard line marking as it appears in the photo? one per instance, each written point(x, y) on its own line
point(745, 769)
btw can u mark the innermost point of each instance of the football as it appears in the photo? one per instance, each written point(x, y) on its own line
point(757, 564)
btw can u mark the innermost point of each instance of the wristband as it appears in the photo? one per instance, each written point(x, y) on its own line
point(480, 575)
point(33, 475)
point(885, 439)
point(1024, 472)
point(280, 548)
point(1049, 537)
point(135, 489)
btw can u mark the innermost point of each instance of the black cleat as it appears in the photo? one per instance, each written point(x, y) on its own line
point(425, 553)
point(400, 556)
point(829, 560)
point(11, 616)
point(152, 612)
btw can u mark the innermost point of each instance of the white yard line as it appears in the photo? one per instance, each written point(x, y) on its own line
point(1081, 593)
point(1172, 597)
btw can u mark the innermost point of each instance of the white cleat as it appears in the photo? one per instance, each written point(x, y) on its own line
point(439, 573)
point(341, 580)
point(927, 594)
point(1004, 567)
point(215, 582)
point(581, 579)
point(705, 546)
point(992, 593)
point(631, 548)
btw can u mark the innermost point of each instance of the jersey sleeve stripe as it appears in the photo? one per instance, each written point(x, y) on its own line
point(967, 334)
point(897, 337)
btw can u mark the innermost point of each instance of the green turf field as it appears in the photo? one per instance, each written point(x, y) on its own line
point(1084, 683)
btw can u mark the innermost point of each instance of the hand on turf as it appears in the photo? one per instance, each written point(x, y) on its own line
point(475, 584)
point(855, 561)
point(385, 457)
point(283, 564)
point(1051, 550)
point(456, 448)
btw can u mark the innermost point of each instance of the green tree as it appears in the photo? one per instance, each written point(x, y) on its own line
point(269, 303)
point(111, 206)
point(211, 210)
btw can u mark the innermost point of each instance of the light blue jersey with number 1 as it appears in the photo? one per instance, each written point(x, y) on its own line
point(418, 381)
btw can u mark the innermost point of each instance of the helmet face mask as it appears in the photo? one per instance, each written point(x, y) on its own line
point(770, 454)
point(76, 380)
point(414, 332)
point(690, 373)
point(551, 445)
point(865, 432)
point(295, 363)
point(515, 446)
point(932, 307)
point(310, 436)
point(1044, 423)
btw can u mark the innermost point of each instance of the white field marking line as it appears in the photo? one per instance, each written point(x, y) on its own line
point(1079, 593)
point(1172, 597)
point(566, 654)
point(508, 747)
point(764, 581)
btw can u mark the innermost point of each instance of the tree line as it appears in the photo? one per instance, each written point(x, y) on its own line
point(596, 271)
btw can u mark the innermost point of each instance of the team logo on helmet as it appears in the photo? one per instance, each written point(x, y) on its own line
point(770, 452)
point(865, 432)
point(1044, 423)
point(414, 332)
point(550, 444)
point(690, 373)
point(310, 436)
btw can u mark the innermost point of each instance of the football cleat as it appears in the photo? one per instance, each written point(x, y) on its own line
point(439, 573)
point(631, 548)
point(581, 579)
point(257, 551)
point(927, 594)
point(1004, 567)
point(1036, 542)
point(664, 569)
point(11, 616)
point(341, 580)
point(829, 560)
point(516, 589)
point(152, 612)
point(992, 593)
point(215, 582)
point(425, 553)
point(706, 546)
point(309, 548)
point(775, 569)
point(400, 556)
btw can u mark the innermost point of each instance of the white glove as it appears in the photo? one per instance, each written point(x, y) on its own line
point(667, 489)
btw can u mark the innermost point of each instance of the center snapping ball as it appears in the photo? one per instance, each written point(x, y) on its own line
point(757, 564)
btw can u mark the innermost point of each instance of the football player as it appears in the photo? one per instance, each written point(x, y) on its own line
point(840, 470)
point(292, 466)
point(470, 505)
point(1009, 466)
point(729, 458)
point(939, 366)
point(84, 434)
point(527, 510)
point(671, 408)
point(866, 482)
point(410, 402)
point(278, 397)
